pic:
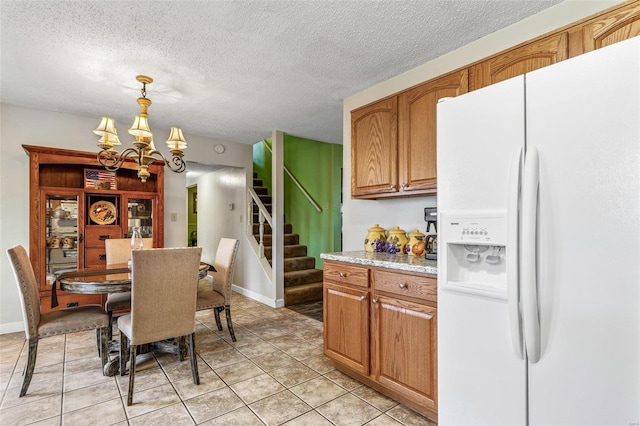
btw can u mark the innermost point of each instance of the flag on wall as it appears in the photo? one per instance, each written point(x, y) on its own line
point(99, 179)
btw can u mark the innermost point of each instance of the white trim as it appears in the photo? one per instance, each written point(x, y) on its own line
point(278, 303)
point(11, 327)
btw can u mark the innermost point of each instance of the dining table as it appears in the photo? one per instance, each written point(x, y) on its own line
point(114, 278)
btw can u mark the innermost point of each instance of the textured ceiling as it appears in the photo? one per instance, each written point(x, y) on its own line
point(229, 70)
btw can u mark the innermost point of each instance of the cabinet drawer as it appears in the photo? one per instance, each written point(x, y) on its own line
point(95, 235)
point(346, 274)
point(417, 287)
point(95, 256)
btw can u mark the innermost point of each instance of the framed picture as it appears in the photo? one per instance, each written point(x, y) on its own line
point(195, 202)
point(99, 179)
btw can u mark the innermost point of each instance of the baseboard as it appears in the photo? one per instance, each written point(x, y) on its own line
point(12, 327)
point(278, 303)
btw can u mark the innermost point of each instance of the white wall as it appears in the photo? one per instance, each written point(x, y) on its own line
point(30, 126)
point(216, 218)
point(408, 213)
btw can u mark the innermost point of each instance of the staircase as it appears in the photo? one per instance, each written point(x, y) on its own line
point(302, 282)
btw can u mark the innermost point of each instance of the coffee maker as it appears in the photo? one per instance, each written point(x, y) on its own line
point(431, 240)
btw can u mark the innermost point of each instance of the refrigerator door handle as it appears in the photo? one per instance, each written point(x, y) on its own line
point(515, 319)
point(528, 249)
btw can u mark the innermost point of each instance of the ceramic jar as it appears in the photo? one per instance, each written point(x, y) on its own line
point(396, 241)
point(375, 239)
point(416, 244)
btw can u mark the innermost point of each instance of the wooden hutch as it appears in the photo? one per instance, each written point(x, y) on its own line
point(75, 204)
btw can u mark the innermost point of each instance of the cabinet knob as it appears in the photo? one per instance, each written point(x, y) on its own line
point(403, 285)
point(342, 274)
point(374, 301)
point(403, 185)
point(363, 297)
point(392, 188)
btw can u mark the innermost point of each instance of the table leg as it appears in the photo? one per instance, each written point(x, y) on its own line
point(112, 367)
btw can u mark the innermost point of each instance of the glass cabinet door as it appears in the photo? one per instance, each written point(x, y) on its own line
point(140, 214)
point(61, 233)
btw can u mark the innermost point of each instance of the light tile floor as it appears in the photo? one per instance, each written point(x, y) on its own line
point(274, 374)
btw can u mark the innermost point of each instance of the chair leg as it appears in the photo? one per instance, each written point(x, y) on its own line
point(110, 324)
point(132, 373)
point(182, 348)
point(216, 313)
point(194, 360)
point(31, 365)
point(104, 348)
point(124, 343)
point(227, 309)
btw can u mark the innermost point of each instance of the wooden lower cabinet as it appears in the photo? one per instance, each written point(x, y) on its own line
point(383, 332)
point(405, 349)
point(347, 310)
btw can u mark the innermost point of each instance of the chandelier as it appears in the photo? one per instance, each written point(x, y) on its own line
point(144, 152)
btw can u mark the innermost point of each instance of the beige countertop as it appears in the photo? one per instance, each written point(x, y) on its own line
point(402, 262)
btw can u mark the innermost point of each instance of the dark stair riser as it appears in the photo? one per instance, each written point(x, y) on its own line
point(289, 251)
point(289, 239)
point(288, 228)
point(303, 294)
point(297, 263)
point(306, 276)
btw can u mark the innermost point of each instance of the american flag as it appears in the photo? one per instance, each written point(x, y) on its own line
point(93, 177)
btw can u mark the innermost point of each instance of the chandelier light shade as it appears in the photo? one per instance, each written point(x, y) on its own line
point(143, 151)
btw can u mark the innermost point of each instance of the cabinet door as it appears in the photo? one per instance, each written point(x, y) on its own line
point(618, 25)
point(346, 326)
point(406, 349)
point(417, 130)
point(374, 147)
point(522, 60)
point(62, 230)
point(140, 211)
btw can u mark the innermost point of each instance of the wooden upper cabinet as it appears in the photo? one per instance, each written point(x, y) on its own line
point(374, 148)
point(610, 28)
point(417, 131)
point(521, 60)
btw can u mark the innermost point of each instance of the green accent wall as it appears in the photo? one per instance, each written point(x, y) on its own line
point(318, 167)
point(192, 216)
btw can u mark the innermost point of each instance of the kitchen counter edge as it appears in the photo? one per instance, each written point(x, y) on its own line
point(404, 263)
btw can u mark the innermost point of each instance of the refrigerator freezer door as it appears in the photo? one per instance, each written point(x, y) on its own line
point(583, 116)
point(480, 378)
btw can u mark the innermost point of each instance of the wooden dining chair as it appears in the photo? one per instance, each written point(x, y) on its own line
point(164, 283)
point(118, 250)
point(38, 325)
point(217, 296)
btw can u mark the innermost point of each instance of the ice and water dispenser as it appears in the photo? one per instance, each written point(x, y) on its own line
point(474, 252)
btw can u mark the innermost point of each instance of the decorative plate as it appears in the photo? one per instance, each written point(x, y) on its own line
point(103, 212)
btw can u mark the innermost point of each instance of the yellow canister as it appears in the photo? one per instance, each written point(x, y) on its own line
point(416, 245)
point(375, 239)
point(396, 241)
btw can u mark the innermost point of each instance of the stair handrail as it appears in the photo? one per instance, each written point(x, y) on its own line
point(263, 214)
point(296, 182)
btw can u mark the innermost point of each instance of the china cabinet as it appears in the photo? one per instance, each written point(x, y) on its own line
point(71, 215)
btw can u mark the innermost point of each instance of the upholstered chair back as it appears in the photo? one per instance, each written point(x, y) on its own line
point(225, 264)
point(28, 289)
point(118, 250)
point(163, 293)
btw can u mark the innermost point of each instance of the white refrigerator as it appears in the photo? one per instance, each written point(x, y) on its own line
point(539, 257)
